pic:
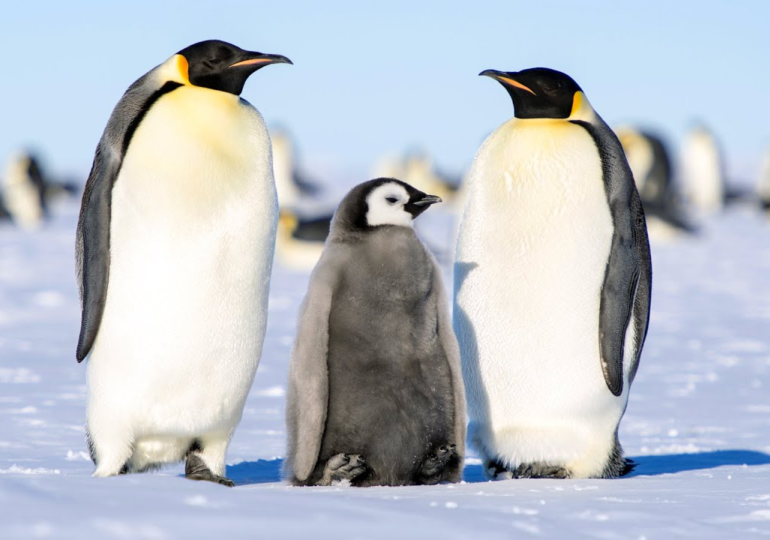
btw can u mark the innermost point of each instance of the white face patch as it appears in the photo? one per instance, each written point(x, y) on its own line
point(386, 206)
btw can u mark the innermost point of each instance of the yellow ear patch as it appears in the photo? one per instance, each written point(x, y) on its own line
point(577, 103)
point(182, 68)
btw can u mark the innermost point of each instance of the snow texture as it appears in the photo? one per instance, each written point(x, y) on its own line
point(698, 421)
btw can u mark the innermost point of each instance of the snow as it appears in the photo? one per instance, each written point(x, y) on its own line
point(698, 421)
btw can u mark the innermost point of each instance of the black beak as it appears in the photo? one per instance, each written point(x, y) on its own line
point(491, 73)
point(427, 200)
point(256, 60)
point(506, 79)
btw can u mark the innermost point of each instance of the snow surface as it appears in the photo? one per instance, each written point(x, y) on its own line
point(698, 421)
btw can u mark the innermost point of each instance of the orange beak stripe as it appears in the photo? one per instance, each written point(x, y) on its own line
point(516, 84)
point(252, 62)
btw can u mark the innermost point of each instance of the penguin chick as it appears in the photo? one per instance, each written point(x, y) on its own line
point(375, 391)
point(174, 252)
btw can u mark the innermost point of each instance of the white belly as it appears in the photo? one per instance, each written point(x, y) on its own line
point(193, 223)
point(531, 257)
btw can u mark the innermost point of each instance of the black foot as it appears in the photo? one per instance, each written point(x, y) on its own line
point(196, 469)
point(540, 470)
point(494, 470)
point(432, 468)
point(343, 467)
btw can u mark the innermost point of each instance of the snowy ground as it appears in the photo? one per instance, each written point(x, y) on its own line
point(698, 422)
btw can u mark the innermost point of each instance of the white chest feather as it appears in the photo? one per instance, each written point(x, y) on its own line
point(531, 257)
point(193, 223)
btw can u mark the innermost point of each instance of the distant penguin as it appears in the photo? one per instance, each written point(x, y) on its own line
point(300, 240)
point(651, 166)
point(375, 388)
point(290, 183)
point(703, 171)
point(552, 286)
point(23, 191)
point(174, 252)
point(763, 186)
point(417, 169)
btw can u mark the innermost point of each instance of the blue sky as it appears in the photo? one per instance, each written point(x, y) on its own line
point(373, 78)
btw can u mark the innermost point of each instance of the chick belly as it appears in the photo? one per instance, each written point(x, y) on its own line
point(391, 411)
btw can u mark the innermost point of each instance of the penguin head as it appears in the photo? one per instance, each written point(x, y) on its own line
point(219, 65)
point(540, 92)
point(380, 202)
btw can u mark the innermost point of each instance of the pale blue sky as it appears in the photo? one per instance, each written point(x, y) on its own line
point(372, 78)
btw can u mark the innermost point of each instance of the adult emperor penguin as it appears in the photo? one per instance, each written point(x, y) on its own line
point(552, 286)
point(703, 171)
point(23, 189)
point(763, 186)
point(375, 386)
point(650, 164)
point(174, 252)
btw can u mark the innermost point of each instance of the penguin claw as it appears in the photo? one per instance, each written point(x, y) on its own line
point(343, 467)
point(434, 463)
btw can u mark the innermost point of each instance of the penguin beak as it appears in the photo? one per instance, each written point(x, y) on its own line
point(506, 79)
point(258, 60)
point(427, 200)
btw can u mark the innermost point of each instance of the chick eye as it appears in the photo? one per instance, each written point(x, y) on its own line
point(391, 200)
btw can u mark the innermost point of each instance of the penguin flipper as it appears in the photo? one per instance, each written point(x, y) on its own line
point(308, 392)
point(93, 232)
point(625, 296)
point(93, 247)
point(452, 350)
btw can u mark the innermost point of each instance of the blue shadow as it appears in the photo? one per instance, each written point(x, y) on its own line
point(262, 471)
point(668, 464)
point(674, 463)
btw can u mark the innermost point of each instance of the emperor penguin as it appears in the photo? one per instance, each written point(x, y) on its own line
point(174, 252)
point(763, 186)
point(552, 286)
point(650, 163)
point(418, 169)
point(23, 190)
point(375, 386)
point(703, 171)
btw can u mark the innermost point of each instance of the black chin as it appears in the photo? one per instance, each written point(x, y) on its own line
point(232, 80)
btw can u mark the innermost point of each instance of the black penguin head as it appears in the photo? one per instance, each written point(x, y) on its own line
point(381, 202)
point(222, 66)
point(539, 92)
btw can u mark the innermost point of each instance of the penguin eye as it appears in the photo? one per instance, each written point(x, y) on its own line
point(391, 200)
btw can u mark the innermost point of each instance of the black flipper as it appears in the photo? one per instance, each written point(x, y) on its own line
point(93, 232)
point(628, 277)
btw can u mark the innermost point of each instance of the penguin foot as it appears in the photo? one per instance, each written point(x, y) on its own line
point(540, 470)
point(494, 470)
point(432, 468)
point(343, 467)
point(196, 469)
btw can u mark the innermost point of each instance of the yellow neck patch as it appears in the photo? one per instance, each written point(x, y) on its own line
point(581, 108)
point(577, 103)
point(183, 68)
point(175, 69)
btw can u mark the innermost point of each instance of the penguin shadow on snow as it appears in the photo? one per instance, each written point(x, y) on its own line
point(665, 464)
point(466, 333)
point(262, 471)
